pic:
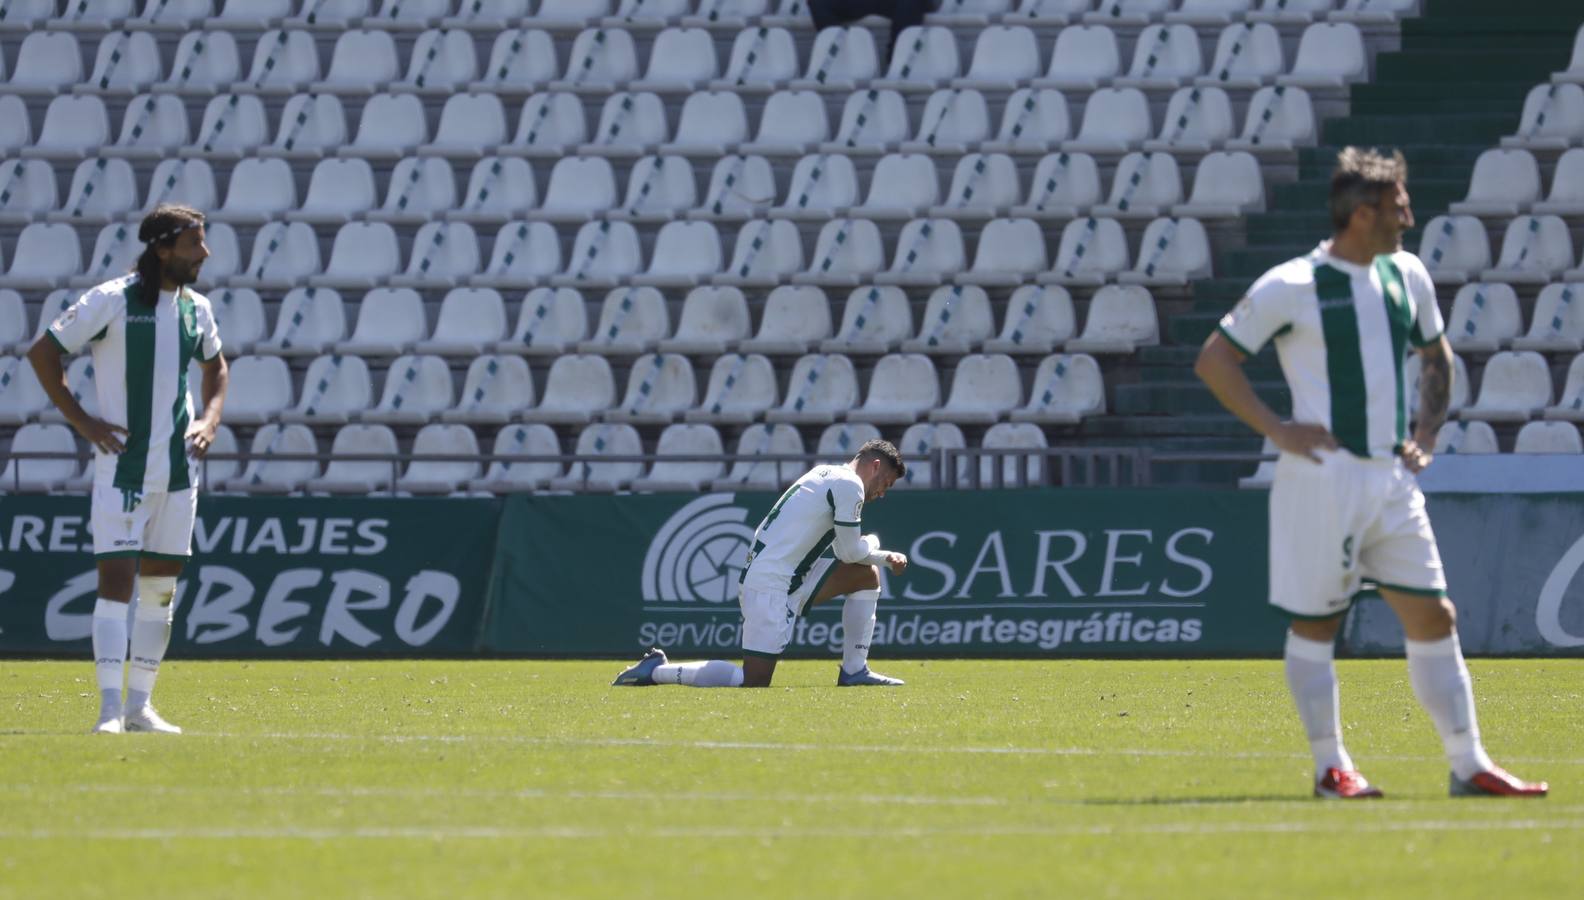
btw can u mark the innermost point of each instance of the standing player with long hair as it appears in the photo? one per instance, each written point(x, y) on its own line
point(144, 329)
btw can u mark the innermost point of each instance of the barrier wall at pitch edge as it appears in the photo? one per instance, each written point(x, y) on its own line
point(269, 577)
point(1041, 574)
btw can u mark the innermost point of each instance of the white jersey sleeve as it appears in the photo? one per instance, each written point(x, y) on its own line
point(1269, 308)
point(847, 498)
point(86, 320)
point(208, 331)
point(1421, 290)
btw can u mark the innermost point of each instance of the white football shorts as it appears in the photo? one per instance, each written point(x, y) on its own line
point(769, 615)
point(1340, 522)
point(153, 524)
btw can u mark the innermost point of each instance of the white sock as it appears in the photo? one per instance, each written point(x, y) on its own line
point(858, 624)
point(710, 673)
point(110, 648)
point(151, 630)
point(1441, 682)
point(1311, 677)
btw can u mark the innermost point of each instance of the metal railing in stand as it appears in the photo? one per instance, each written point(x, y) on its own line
point(951, 468)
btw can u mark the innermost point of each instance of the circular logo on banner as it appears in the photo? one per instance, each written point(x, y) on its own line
point(1548, 611)
point(699, 553)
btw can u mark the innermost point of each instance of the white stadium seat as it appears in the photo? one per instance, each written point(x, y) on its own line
point(358, 476)
point(846, 252)
point(74, 127)
point(1515, 386)
point(820, 388)
point(1558, 322)
point(711, 123)
point(1115, 120)
point(1226, 185)
point(470, 126)
point(1280, 118)
point(1039, 319)
point(577, 387)
point(918, 445)
point(795, 319)
point(984, 388)
point(508, 476)
point(712, 319)
point(925, 58)
point(1166, 56)
point(600, 59)
point(1172, 252)
point(521, 59)
point(875, 320)
point(390, 321)
point(1535, 250)
point(469, 318)
point(363, 61)
point(521, 251)
point(579, 189)
point(339, 190)
point(1084, 57)
point(1145, 186)
point(1129, 12)
point(630, 124)
point(443, 253)
point(40, 475)
point(494, 390)
point(417, 389)
point(47, 62)
point(928, 251)
point(1066, 389)
point(740, 388)
point(1009, 250)
point(590, 474)
point(766, 252)
point(1292, 12)
point(1121, 319)
point(44, 256)
point(660, 388)
point(441, 61)
point(497, 188)
point(659, 188)
point(1197, 120)
point(872, 121)
point(1484, 318)
point(603, 254)
point(284, 61)
point(1454, 248)
point(391, 126)
point(750, 472)
point(434, 476)
point(823, 185)
point(983, 186)
point(310, 321)
point(30, 190)
point(1032, 121)
point(632, 321)
point(1567, 186)
point(1504, 182)
point(1064, 185)
point(762, 59)
point(1329, 56)
point(335, 390)
point(552, 320)
point(954, 120)
point(681, 59)
point(793, 123)
point(1004, 57)
point(903, 388)
point(262, 389)
point(260, 191)
point(1014, 470)
point(1570, 406)
point(683, 475)
point(1466, 438)
point(154, 126)
point(1549, 437)
point(21, 395)
point(1246, 56)
point(284, 255)
point(841, 60)
point(1091, 251)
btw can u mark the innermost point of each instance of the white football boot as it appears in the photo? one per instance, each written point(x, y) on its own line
point(108, 725)
point(146, 719)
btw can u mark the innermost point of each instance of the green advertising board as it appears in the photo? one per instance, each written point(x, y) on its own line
point(270, 576)
point(993, 573)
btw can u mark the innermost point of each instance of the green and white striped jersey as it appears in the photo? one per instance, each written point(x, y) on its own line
point(140, 358)
point(802, 525)
point(1342, 333)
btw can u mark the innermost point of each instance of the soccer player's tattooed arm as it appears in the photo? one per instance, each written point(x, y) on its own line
point(1220, 367)
point(1435, 396)
point(216, 378)
point(45, 356)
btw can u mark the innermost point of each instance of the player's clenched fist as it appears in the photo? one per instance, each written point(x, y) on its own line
point(897, 562)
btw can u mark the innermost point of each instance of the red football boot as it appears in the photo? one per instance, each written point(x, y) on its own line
point(1497, 782)
point(1337, 784)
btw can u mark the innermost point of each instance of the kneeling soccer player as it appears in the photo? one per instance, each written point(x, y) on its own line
point(787, 572)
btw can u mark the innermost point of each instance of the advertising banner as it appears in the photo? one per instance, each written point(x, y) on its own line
point(993, 573)
point(269, 576)
point(1513, 564)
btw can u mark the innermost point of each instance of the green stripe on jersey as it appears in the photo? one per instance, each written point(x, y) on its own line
point(1400, 318)
point(1344, 362)
point(186, 349)
point(140, 331)
point(803, 566)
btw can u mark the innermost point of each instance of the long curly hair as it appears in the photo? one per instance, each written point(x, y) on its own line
point(160, 228)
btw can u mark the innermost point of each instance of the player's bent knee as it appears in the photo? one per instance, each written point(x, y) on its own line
point(1317, 629)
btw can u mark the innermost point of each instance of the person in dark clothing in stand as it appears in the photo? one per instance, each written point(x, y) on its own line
point(902, 13)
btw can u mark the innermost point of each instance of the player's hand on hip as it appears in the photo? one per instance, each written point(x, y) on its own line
point(201, 434)
point(1303, 440)
point(897, 562)
point(1415, 456)
point(101, 434)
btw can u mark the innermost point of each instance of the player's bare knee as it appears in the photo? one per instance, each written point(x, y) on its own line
point(1317, 629)
point(116, 577)
point(870, 579)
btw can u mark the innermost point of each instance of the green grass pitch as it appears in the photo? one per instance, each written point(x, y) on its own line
point(463, 779)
